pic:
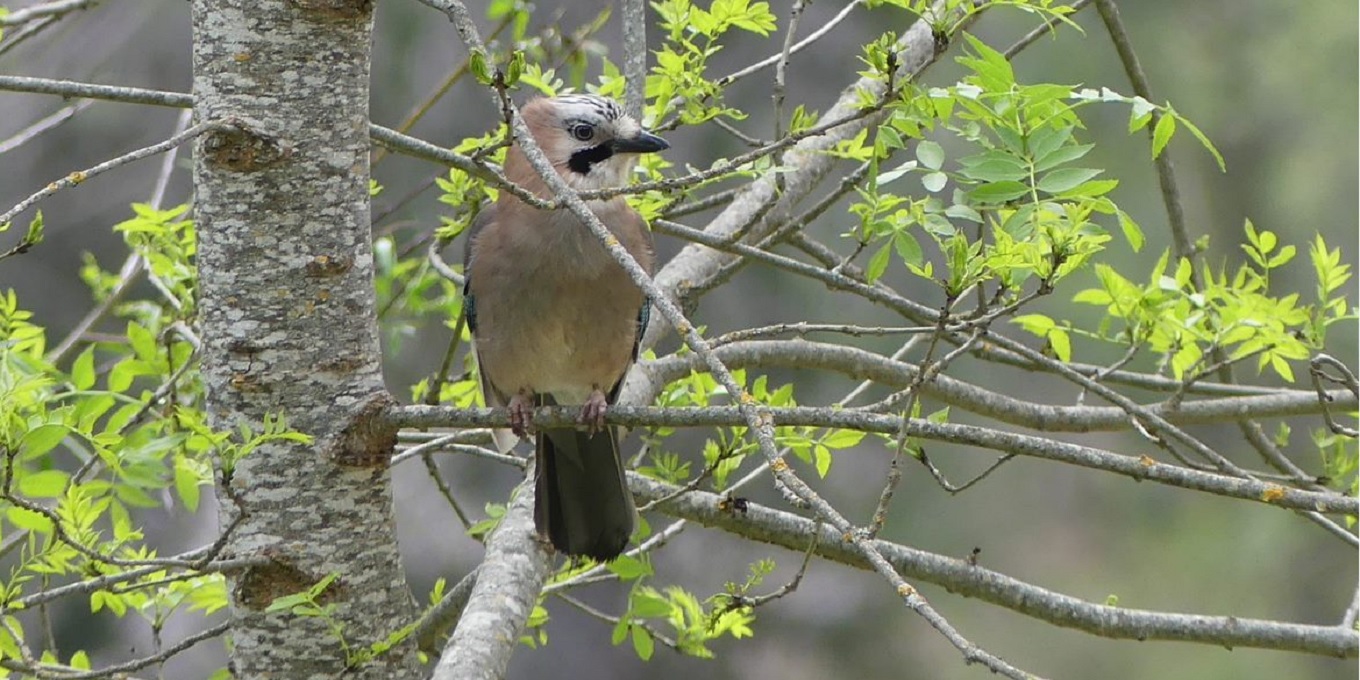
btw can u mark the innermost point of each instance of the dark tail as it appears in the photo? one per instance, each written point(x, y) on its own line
point(582, 503)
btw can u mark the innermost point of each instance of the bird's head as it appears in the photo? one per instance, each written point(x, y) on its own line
point(591, 142)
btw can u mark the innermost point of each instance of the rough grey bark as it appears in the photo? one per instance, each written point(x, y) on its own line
point(482, 644)
point(288, 325)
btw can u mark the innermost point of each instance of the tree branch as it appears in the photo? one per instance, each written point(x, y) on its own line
point(506, 589)
point(1139, 468)
point(958, 576)
point(862, 364)
point(80, 176)
point(1166, 170)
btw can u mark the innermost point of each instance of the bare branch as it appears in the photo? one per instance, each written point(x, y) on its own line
point(433, 625)
point(43, 10)
point(1046, 27)
point(1166, 170)
point(499, 604)
point(27, 134)
point(796, 48)
point(862, 364)
point(634, 19)
point(1140, 468)
point(1347, 378)
point(788, 530)
point(80, 176)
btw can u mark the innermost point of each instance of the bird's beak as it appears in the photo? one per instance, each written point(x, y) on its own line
point(644, 142)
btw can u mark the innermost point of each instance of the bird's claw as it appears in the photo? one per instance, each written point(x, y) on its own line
point(521, 415)
point(592, 412)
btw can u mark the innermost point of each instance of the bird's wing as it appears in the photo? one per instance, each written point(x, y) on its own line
point(637, 239)
point(485, 216)
point(504, 438)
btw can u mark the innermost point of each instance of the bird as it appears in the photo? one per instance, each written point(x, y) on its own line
point(556, 320)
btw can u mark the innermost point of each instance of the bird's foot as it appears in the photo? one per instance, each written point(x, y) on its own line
point(592, 412)
point(521, 414)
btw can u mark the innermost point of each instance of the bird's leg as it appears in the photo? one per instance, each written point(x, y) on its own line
point(521, 413)
point(592, 412)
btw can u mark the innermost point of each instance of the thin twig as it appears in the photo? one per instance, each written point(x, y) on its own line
point(138, 664)
point(1346, 378)
point(773, 59)
point(1038, 32)
point(444, 489)
point(803, 328)
point(781, 67)
point(614, 620)
point(434, 624)
point(81, 176)
point(1181, 247)
point(954, 489)
point(28, 31)
point(1352, 612)
point(42, 10)
point(46, 123)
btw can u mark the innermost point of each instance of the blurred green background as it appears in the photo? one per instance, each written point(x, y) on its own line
point(1273, 84)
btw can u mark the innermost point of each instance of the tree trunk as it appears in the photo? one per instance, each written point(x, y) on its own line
point(288, 327)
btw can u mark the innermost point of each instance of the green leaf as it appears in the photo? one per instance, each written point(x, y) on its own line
point(890, 137)
point(1061, 344)
point(28, 520)
point(908, 248)
point(1093, 296)
point(103, 598)
point(1203, 140)
point(960, 211)
point(82, 371)
point(1092, 189)
point(1057, 157)
point(478, 66)
point(934, 181)
point(39, 440)
point(43, 484)
point(822, 459)
point(1282, 368)
point(993, 166)
point(999, 192)
point(121, 375)
point(896, 173)
point(1166, 126)
point(1062, 179)
point(1047, 140)
point(186, 483)
point(930, 154)
point(843, 439)
point(1037, 324)
point(647, 604)
point(1132, 232)
point(1282, 258)
point(142, 341)
point(516, 67)
point(642, 643)
point(629, 568)
point(878, 264)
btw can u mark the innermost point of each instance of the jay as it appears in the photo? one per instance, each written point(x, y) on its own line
point(555, 320)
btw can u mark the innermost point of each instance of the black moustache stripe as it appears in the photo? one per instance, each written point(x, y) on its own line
point(581, 161)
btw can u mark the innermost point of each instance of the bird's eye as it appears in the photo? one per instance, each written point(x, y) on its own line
point(582, 131)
